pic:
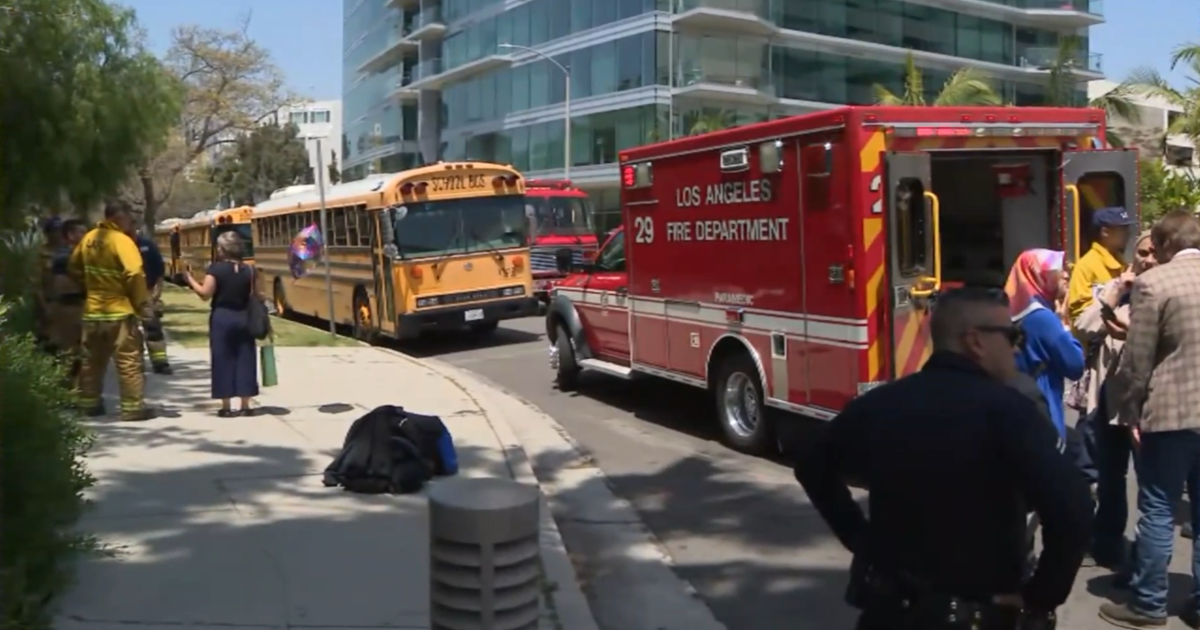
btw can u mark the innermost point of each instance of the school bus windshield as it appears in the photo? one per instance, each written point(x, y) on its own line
point(243, 230)
point(560, 216)
point(460, 226)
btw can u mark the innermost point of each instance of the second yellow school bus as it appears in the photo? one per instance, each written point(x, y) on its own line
point(443, 246)
point(189, 245)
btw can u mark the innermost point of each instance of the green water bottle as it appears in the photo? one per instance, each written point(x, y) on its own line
point(266, 362)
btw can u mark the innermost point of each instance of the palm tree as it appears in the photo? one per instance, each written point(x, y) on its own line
point(709, 120)
point(966, 86)
point(695, 122)
point(1117, 103)
point(1152, 83)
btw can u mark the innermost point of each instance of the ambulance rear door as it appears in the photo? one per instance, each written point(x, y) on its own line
point(1095, 179)
point(914, 266)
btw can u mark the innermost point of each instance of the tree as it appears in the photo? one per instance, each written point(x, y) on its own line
point(231, 86)
point(1061, 82)
point(335, 171)
point(1162, 190)
point(965, 87)
point(708, 120)
point(191, 195)
point(262, 162)
point(1187, 123)
point(83, 103)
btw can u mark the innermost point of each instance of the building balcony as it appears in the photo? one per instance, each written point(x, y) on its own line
point(1045, 58)
point(398, 45)
point(432, 74)
point(698, 83)
point(400, 90)
point(1060, 14)
point(741, 17)
point(426, 25)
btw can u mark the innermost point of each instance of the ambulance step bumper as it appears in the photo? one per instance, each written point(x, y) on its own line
point(612, 369)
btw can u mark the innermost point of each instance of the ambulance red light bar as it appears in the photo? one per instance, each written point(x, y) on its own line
point(556, 184)
point(991, 131)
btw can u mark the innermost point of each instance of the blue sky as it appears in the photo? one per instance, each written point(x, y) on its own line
point(1143, 33)
point(305, 35)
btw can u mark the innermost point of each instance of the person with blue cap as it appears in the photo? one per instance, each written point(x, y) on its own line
point(1104, 261)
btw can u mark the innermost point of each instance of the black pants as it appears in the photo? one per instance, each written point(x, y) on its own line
point(900, 619)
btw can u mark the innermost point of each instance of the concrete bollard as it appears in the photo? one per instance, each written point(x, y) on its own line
point(484, 569)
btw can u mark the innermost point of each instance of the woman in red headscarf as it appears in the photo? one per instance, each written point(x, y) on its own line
point(1048, 351)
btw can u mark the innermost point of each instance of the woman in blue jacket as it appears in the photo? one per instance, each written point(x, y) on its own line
point(1048, 353)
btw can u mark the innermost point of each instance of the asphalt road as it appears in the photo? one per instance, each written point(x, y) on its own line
point(739, 529)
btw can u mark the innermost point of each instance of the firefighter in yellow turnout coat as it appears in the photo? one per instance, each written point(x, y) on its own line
point(108, 264)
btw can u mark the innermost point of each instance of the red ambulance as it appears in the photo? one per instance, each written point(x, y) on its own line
point(562, 220)
point(791, 265)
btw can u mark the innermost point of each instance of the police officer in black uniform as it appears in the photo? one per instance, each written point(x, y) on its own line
point(954, 460)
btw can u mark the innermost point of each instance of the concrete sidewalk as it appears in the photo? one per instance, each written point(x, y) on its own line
point(224, 522)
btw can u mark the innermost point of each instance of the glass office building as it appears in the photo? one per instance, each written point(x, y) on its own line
point(432, 79)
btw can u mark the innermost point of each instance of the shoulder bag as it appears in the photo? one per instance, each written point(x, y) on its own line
point(258, 320)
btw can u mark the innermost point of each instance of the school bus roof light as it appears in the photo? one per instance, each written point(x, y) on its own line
point(411, 188)
point(518, 262)
point(628, 177)
point(500, 181)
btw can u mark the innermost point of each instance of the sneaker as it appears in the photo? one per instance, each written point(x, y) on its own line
point(1124, 616)
point(1191, 619)
point(1185, 530)
point(227, 413)
point(164, 369)
point(248, 412)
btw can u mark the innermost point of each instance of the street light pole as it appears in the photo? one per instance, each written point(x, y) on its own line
point(325, 235)
point(566, 103)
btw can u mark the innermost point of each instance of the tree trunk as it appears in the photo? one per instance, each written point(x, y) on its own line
point(149, 194)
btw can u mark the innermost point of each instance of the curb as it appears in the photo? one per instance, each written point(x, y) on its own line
point(528, 438)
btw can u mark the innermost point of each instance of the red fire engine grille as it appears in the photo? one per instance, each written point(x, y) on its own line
point(912, 346)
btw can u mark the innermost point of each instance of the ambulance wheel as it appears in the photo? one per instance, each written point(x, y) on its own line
point(279, 298)
point(741, 406)
point(567, 370)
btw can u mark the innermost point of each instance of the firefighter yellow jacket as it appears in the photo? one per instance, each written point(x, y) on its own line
point(109, 266)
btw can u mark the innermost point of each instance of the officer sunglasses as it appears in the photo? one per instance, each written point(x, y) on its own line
point(1013, 334)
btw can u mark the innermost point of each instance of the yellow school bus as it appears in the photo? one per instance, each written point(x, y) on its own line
point(443, 246)
point(193, 246)
point(166, 236)
point(235, 220)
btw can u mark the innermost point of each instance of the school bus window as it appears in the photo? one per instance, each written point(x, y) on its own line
point(815, 163)
point(366, 225)
point(352, 226)
point(911, 229)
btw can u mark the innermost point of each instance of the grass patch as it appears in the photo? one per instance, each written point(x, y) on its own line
point(185, 317)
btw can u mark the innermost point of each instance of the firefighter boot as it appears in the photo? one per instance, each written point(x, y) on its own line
point(156, 347)
point(131, 379)
point(99, 340)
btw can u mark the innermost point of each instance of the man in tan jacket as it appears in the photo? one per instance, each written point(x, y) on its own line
point(1159, 375)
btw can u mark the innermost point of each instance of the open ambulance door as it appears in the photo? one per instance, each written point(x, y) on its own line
point(914, 258)
point(1093, 180)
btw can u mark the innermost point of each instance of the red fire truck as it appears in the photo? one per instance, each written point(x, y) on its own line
point(562, 219)
point(791, 265)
